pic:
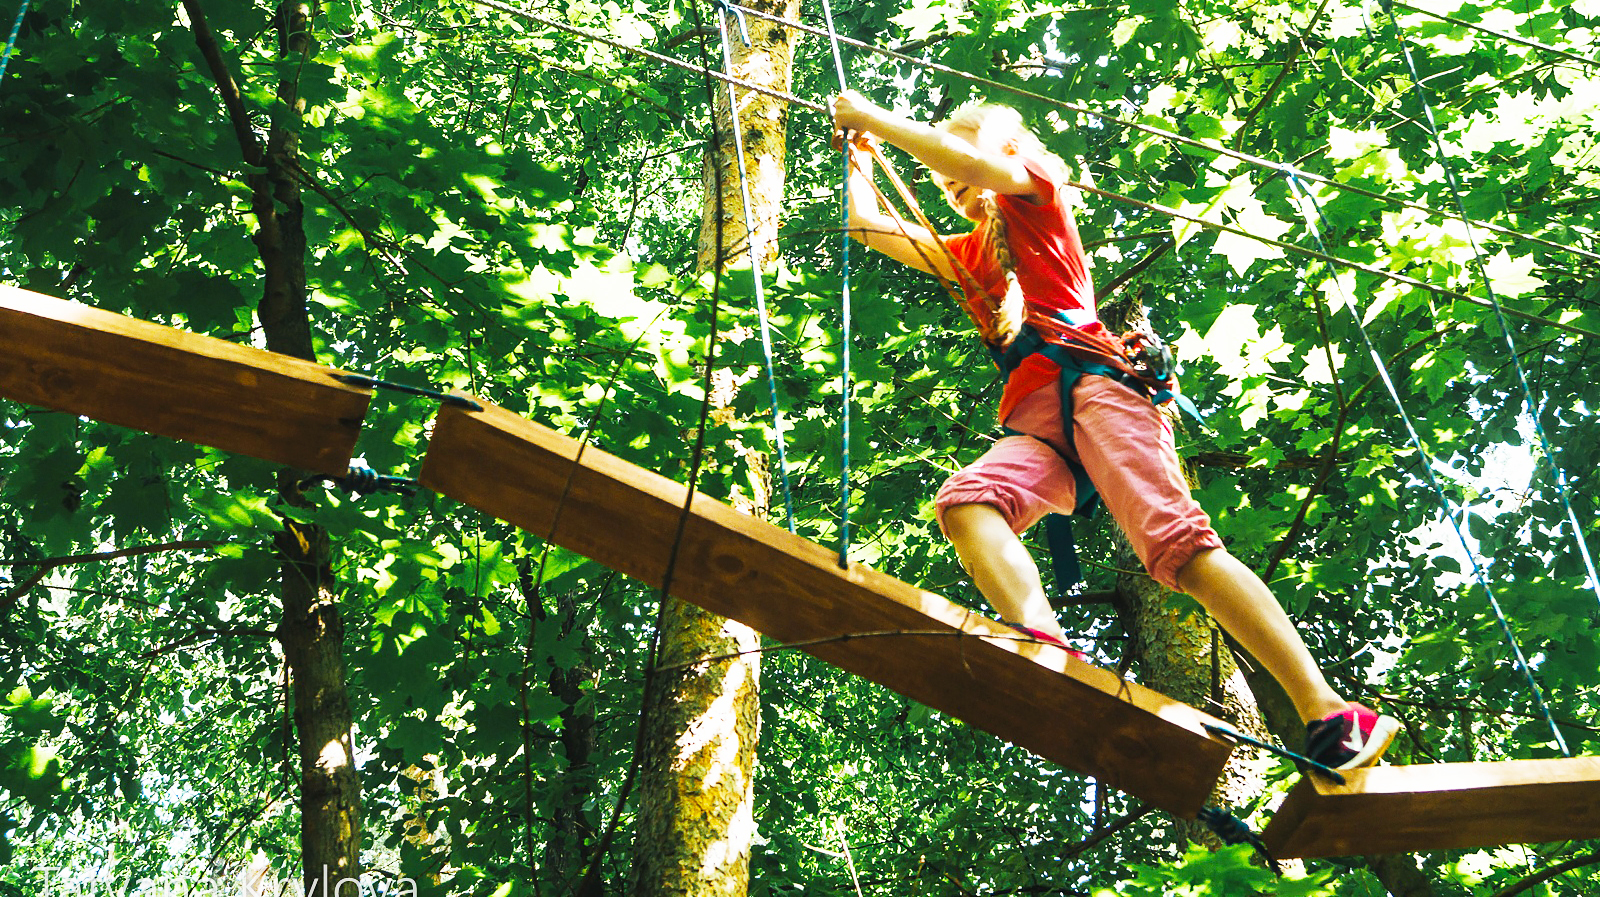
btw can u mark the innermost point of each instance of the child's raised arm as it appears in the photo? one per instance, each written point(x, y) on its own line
point(944, 152)
point(884, 231)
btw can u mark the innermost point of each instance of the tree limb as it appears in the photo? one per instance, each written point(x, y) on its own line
point(1540, 878)
point(64, 560)
point(227, 88)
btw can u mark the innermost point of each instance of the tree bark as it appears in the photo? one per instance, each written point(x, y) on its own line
point(311, 629)
point(1184, 655)
point(696, 796)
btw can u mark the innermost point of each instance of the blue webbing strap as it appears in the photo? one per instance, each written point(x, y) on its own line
point(11, 42)
point(844, 314)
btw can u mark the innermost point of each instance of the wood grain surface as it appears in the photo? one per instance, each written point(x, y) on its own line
point(1439, 806)
point(915, 642)
point(82, 360)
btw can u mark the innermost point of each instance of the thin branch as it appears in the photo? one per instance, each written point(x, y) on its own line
point(1587, 859)
point(227, 88)
point(1133, 270)
point(199, 634)
point(184, 545)
point(1094, 840)
point(1283, 71)
point(21, 589)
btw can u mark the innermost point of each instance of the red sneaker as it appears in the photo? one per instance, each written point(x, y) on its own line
point(1354, 737)
point(1047, 638)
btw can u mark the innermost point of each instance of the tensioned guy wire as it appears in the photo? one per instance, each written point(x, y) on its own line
point(1556, 472)
point(753, 247)
point(844, 309)
point(1426, 462)
point(1501, 35)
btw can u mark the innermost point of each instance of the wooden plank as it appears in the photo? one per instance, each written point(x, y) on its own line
point(793, 590)
point(124, 371)
point(1439, 806)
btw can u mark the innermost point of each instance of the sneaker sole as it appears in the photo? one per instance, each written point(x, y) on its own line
point(1383, 732)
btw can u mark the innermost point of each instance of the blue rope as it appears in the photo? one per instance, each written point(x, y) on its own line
point(754, 249)
point(1557, 474)
point(1445, 505)
point(844, 303)
point(16, 28)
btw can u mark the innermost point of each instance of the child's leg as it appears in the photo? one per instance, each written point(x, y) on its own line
point(985, 505)
point(1244, 606)
point(1001, 566)
point(1127, 447)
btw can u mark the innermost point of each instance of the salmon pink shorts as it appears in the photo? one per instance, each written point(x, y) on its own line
point(1123, 441)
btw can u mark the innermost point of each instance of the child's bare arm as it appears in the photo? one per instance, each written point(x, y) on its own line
point(886, 232)
point(945, 153)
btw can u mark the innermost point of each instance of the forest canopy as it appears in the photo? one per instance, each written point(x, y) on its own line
point(448, 194)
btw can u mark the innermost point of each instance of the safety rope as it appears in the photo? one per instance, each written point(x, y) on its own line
point(1557, 474)
point(11, 42)
point(652, 55)
point(844, 310)
point(1508, 38)
point(753, 247)
point(1426, 460)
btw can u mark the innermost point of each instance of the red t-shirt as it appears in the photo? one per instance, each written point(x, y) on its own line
point(1051, 267)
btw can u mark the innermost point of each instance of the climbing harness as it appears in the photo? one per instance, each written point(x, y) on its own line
point(753, 247)
point(1139, 360)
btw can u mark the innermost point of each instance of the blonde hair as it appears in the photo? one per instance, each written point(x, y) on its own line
point(993, 127)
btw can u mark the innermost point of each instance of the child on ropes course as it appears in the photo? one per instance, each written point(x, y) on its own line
point(1027, 287)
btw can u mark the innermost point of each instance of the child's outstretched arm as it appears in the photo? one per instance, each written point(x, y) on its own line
point(888, 233)
point(945, 153)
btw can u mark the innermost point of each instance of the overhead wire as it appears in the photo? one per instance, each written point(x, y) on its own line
point(1533, 406)
point(1164, 210)
point(1508, 38)
point(1258, 161)
point(652, 55)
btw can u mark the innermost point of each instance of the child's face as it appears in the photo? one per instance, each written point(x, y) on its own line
point(965, 199)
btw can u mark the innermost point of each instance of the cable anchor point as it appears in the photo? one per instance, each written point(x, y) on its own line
point(1305, 764)
point(363, 381)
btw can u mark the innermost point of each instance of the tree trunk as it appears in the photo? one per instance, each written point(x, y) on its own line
point(1187, 656)
point(311, 630)
point(696, 796)
point(1181, 654)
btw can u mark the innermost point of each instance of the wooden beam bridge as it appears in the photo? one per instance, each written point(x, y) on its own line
point(83, 361)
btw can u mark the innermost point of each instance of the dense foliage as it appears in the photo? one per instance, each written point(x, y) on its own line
point(510, 210)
